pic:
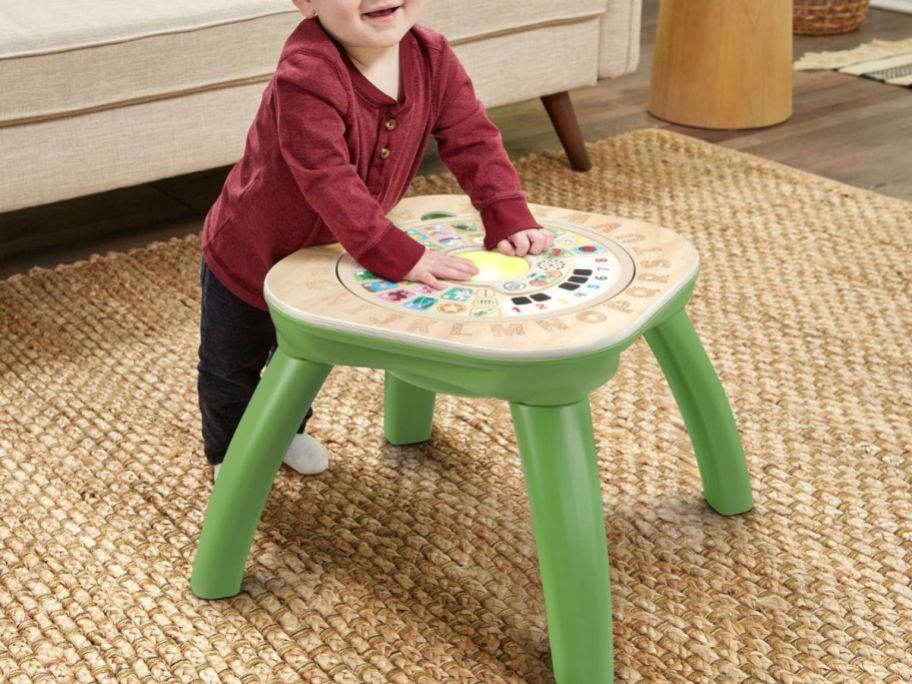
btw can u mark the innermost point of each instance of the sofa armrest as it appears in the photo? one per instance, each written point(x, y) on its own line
point(619, 38)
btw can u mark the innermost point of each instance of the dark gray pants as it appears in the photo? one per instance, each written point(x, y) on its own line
point(236, 342)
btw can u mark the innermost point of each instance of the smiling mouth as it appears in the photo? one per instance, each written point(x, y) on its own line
point(381, 13)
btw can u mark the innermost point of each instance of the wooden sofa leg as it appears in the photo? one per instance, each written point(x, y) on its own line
point(563, 118)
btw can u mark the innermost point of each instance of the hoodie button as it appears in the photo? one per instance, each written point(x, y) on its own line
point(391, 124)
point(384, 153)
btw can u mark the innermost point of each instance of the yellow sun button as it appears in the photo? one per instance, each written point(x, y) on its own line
point(495, 265)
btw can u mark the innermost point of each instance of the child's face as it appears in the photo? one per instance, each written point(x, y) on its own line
point(348, 21)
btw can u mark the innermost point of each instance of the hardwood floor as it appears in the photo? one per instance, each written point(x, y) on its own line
point(846, 128)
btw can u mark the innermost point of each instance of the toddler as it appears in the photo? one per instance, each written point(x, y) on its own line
point(340, 133)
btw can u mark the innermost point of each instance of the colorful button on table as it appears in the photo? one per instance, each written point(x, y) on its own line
point(542, 340)
point(495, 265)
point(583, 270)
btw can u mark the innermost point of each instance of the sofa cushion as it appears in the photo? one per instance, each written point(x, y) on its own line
point(465, 20)
point(57, 59)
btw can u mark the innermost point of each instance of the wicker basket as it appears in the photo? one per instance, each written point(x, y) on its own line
point(816, 17)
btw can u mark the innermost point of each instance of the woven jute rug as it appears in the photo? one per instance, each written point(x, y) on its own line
point(417, 564)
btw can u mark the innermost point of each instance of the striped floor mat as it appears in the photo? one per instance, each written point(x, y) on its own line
point(880, 60)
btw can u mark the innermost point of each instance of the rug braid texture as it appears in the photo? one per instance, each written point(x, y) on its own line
point(417, 564)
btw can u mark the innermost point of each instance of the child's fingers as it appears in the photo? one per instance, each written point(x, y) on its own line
point(453, 273)
point(461, 264)
point(446, 266)
point(429, 279)
point(520, 242)
point(505, 247)
point(537, 241)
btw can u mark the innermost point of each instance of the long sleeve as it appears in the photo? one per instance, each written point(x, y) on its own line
point(310, 106)
point(472, 148)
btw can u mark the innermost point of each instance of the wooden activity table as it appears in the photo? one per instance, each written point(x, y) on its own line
point(540, 332)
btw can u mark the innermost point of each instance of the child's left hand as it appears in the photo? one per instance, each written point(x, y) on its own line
point(529, 241)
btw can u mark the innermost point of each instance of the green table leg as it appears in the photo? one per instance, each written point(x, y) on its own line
point(408, 411)
point(706, 412)
point(275, 412)
point(558, 456)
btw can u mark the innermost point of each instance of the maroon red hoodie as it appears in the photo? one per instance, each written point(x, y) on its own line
point(329, 155)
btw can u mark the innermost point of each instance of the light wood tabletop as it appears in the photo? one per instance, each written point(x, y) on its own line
point(604, 278)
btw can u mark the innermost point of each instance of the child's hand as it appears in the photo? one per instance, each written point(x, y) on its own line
point(530, 241)
point(434, 263)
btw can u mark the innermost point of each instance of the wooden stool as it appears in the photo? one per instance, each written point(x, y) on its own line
point(722, 63)
point(540, 332)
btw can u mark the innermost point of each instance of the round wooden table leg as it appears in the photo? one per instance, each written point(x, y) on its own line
point(722, 64)
point(557, 449)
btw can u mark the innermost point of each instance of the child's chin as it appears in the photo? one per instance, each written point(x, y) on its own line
point(385, 40)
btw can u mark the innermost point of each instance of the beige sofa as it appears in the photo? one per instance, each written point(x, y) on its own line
point(105, 94)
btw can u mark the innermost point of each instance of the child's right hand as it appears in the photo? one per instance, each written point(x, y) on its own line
point(433, 263)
